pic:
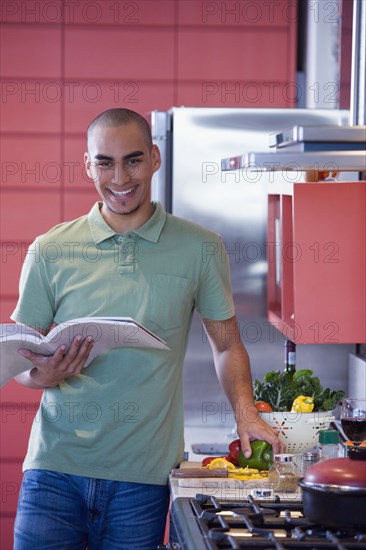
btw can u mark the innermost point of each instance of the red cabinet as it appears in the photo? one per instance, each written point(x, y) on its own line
point(316, 254)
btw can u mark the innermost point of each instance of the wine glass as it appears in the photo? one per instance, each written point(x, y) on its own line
point(353, 419)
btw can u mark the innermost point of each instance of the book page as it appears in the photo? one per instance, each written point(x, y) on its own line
point(86, 321)
point(19, 331)
point(118, 331)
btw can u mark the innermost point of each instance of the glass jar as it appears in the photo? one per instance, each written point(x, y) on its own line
point(284, 473)
point(308, 459)
point(329, 444)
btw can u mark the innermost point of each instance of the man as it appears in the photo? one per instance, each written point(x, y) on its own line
point(105, 438)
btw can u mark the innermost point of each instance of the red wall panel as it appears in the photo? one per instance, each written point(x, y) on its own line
point(30, 106)
point(40, 11)
point(32, 162)
point(16, 421)
point(124, 14)
point(26, 214)
point(235, 93)
point(84, 12)
point(85, 99)
point(73, 154)
point(10, 484)
point(232, 57)
point(12, 257)
point(6, 532)
point(15, 393)
point(127, 53)
point(7, 305)
point(241, 13)
point(30, 51)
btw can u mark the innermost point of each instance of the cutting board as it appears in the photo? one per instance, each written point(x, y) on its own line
point(223, 483)
point(218, 482)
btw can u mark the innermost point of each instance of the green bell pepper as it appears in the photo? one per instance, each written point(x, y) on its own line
point(261, 458)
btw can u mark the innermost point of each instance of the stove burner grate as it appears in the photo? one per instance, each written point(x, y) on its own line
point(267, 524)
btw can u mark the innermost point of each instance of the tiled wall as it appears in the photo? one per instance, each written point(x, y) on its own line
point(62, 63)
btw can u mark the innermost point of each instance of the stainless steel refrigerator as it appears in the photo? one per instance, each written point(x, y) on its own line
point(191, 185)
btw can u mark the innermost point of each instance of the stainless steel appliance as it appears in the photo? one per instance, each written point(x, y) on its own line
point(206, 523)
point(192, 185)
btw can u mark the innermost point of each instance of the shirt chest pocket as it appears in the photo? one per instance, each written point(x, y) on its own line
point(171, 301)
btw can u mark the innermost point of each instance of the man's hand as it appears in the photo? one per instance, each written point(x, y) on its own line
point(48, 372)
point(251, 427)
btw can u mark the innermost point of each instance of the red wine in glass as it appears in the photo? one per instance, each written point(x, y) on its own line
point(353, 419)
point(354, 429)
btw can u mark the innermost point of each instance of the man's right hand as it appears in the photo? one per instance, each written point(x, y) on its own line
point(48, 372)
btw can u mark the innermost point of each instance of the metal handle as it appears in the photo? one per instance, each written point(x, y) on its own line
point(358, 73)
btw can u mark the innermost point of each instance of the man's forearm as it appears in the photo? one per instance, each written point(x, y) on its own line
point(232, 364)
point(233, 371)
point(234, 374)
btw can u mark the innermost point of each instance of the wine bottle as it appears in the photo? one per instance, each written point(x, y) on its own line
point(290, 358)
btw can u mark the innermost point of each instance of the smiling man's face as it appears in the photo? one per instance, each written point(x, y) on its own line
point(121, 164)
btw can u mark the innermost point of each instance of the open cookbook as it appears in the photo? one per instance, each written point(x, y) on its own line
point(107, 332)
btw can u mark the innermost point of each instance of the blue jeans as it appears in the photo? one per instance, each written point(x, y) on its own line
point(65, 512)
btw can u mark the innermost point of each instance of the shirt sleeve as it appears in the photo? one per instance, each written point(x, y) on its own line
point(214, 299)
point(35, 303)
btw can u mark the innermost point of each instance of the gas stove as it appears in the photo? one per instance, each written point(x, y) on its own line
point(206, 523)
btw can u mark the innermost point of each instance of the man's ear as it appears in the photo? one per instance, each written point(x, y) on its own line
point(87, 163)
point(155, 157)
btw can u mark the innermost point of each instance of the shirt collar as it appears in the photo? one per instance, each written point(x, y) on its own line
point(149, 231)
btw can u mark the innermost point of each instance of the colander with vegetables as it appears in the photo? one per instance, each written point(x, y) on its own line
point(298, 407)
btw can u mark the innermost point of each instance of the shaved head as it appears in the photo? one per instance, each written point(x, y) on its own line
point(120, 117)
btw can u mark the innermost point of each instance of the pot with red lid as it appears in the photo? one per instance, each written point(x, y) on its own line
point(334, 491)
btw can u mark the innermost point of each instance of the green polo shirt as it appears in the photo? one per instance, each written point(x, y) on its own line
point(122, 417)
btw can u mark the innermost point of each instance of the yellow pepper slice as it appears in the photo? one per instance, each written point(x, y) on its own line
point(246, 477)
point(244, 474)
point(247, 473)
point(220, 463)
point(303, 403)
